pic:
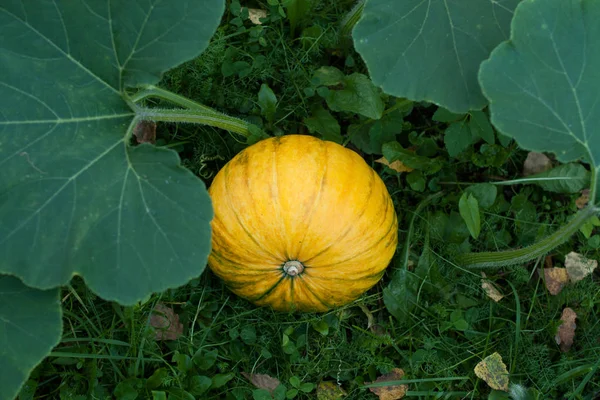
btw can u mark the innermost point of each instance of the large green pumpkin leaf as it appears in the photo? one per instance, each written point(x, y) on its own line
point(30, 326)
point(75, 198)
point(543, 83)
point(431, 50)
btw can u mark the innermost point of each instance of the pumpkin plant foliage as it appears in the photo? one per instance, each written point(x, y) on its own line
point(431, 50)
point(75, 197)
point(542, 84)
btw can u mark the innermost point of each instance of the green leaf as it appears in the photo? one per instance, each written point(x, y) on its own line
point(199, 384)
point(267, 102)
point(30, 326)
point(566, 178)
point(394, 151)
point(443, 115)
point(457, 138)
point(328, 76)
point(468, 207)
point(359, 95)
point(485, 193)
point(77, 199)
point(416, 180)
point(220, 380)
point(324, 123)
point(542, 84)
point(296, 12)
point(205, 359)
point(307, 387)
point(480, 126)
point(295, 381)
point(321, 327)
point(248, 334)
point(400, 296)
point(261, 394)
point(431, 50)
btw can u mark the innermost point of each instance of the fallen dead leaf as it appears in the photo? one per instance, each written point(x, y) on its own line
point(566, 331)
point(255, 14)
point(555, 279)
point(145, 132)
point(493, 371)
point(262, 381)
point(165, 322)
point(536, 163)
point(582, 201)
point(578, 267)
point(490, 290)
point(393, 392)
point(396, 165)
point(327, 390)
point(548, 263)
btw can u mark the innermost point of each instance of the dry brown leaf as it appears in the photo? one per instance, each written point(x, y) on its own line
point(536, 163)
point(548, 263)
point(255, 14)
point(566, 331)
point(393, 392)
point(578, 267)
point(555, 279)
point(165, 322)
point(262, 381)
point(145, 132)
point(493, 371)
point(396, 165)
point(489, 289)
point(582, 201)
point(327, 390)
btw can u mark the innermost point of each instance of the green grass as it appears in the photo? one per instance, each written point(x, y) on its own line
point(448, 324)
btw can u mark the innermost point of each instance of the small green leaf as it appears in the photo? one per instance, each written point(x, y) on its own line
point(321, 327)
point(468, 207)
point(267, 102)
point(324, 123)
point(307, 387)
point(485, 193)
point(248, 334)
point(159, 395)
point(220, 380)
point(30, 326)
point(400, 296)
point(358, 95)
point(297, 10)
point(290, 394)
point(295, 381)
point(480, 126)
point(394, 151)
point(457, 138)
point(261, 394)
point(157, 378)
point(416, 180)
point(205, 359)
point(199, 384)
point(327, 76)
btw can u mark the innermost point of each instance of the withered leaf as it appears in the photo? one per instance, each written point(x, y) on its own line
point(489, 289)
point(255, 14)
point(393, 392)
point(536, 163)
point(566, 331)
point(165, 322)
point(555, 279)
point(493, 371)
point(262, 381)
point(327, 390)
point(396, 165)
point(145, 132)
point(582, 201)
point(578, 267)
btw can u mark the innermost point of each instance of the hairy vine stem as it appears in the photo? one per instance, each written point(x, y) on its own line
point(193, 112)
point(511, 257)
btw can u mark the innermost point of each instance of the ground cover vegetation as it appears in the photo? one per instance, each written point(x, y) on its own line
point(484, 144)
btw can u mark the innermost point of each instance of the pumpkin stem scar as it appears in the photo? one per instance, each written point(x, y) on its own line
point(293, 268)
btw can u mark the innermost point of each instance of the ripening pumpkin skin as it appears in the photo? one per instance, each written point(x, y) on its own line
point(299, 198)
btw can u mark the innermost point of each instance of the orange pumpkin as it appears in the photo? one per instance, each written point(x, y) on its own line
point(300, 224)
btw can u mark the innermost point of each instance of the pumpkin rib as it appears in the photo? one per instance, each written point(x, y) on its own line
point(270, 290)
point(277, 205)
point(306, 286)
point(237, 217)
point(317, 199)
point(349, 229)
point(236, 265)
point(360, 252)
